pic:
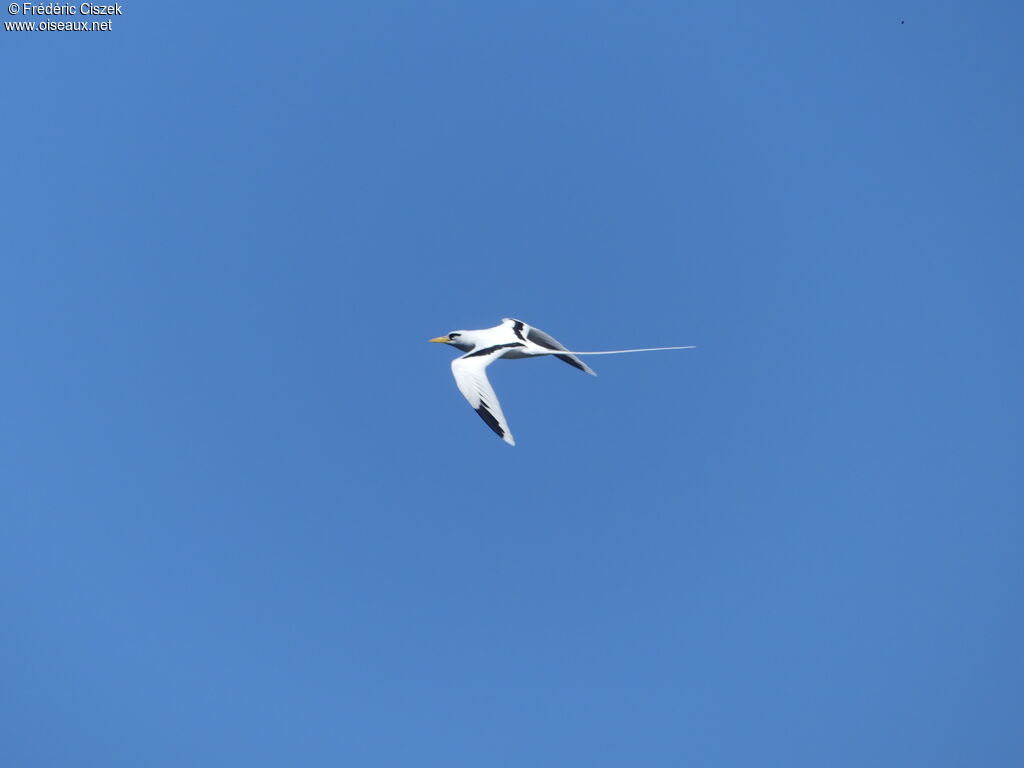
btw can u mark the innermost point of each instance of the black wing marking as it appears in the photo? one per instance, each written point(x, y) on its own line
point(495, 348)
point(542, 339)
point(485, 413)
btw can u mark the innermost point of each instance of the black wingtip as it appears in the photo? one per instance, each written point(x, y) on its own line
point(575, 364)
point(490, 421)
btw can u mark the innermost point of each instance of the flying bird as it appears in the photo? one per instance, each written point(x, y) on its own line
point(512, 340)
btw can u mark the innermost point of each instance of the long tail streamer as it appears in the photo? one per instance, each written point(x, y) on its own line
point(609, 351)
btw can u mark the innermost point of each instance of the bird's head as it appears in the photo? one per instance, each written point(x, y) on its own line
point(457, 339)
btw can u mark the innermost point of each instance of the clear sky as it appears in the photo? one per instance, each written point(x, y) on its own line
point(247, 518)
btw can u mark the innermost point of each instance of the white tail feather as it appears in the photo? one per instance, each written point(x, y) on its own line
point(605, 352)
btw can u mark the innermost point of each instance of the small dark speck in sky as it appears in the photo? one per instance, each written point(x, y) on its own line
point(903, 21)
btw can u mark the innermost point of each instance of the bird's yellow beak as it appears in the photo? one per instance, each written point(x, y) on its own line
point(440, 340)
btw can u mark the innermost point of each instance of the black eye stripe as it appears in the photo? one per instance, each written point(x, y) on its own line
point(453, 335)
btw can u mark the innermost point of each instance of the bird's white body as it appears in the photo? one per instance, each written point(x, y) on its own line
point(512, 340)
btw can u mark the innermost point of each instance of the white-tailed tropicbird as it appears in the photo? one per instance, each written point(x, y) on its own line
point(513, 339)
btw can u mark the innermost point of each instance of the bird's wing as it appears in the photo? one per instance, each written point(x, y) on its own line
point(541, 339)
point(470, 373)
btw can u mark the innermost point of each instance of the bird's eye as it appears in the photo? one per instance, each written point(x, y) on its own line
point(453, 335)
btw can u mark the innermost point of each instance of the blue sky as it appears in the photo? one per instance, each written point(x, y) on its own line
point(249, 520)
